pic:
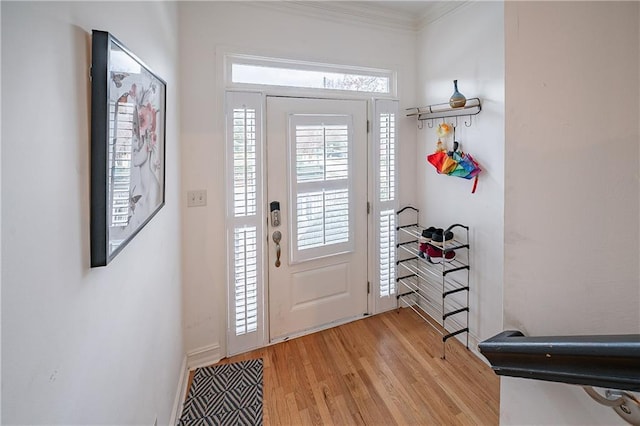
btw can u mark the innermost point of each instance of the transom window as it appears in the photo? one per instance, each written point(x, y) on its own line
point(259, 71)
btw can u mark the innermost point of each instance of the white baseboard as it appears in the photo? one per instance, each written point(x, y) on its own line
point(182, 389)
point(203, 356)
point(197, 358)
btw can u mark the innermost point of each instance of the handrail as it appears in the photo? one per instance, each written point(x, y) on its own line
point(610, 361)
point(605, 361)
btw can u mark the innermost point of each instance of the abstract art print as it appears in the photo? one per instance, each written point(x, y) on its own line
point(128, 118)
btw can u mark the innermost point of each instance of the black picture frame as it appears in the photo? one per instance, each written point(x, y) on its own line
point(128, 126)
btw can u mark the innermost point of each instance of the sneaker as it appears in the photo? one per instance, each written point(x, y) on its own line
point(440, 237)
point(423, 239)
point(422, 250)
point(434, 254)
point(427, 234)
point(449, 255)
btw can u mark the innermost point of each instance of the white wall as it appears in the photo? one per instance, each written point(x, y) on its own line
point(80, 345)
point(468, 45)
point(571, 196)
point(1, 231)
point(259, 29)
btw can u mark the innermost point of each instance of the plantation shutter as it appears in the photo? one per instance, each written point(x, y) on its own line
point(244, 225)
point(385, 202)
point(320, 167)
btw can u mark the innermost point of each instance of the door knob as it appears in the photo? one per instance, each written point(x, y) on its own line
point(276, 237)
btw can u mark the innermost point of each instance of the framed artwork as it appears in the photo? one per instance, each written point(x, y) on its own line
point(128, 120)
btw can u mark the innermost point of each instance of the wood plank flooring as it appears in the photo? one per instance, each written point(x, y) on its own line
point(381, 370)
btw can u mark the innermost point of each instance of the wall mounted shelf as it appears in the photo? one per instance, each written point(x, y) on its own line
point(442, 111)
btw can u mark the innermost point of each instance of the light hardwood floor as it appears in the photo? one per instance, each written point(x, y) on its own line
point(381, 370)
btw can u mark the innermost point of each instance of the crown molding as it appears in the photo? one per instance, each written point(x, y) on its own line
point(349, 12)
point(370, 13)
point(438, 10)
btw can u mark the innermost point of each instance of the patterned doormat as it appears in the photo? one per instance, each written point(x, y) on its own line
point(229, 394)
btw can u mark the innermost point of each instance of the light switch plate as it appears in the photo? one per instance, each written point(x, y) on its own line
point(197, 198)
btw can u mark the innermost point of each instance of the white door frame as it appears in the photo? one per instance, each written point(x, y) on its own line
point(374, 305)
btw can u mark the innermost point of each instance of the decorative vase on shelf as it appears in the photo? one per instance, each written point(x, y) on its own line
point(457, 100)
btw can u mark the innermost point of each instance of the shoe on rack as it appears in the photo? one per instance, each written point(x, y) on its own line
point(449, 255)
point(435, 255)
point(427, 234)
point(440, 237)
point(422, 250)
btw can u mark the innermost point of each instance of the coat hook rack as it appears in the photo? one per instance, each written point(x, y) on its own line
point(443, 111)
point(468, 124)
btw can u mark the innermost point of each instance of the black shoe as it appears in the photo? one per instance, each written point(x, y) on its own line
point(440, 237)
point(427, 234)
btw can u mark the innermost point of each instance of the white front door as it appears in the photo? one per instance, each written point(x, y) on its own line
point(317, 176)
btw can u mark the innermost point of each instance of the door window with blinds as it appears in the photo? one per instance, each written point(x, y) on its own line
point(385, 202)
point(244, 221)
point(320, 195)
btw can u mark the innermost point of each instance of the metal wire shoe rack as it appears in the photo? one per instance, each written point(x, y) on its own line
point(437, 290)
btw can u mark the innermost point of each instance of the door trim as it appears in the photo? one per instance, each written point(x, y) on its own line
point(373, 302)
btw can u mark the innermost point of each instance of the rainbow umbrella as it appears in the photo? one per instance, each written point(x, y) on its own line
point(456, 163)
